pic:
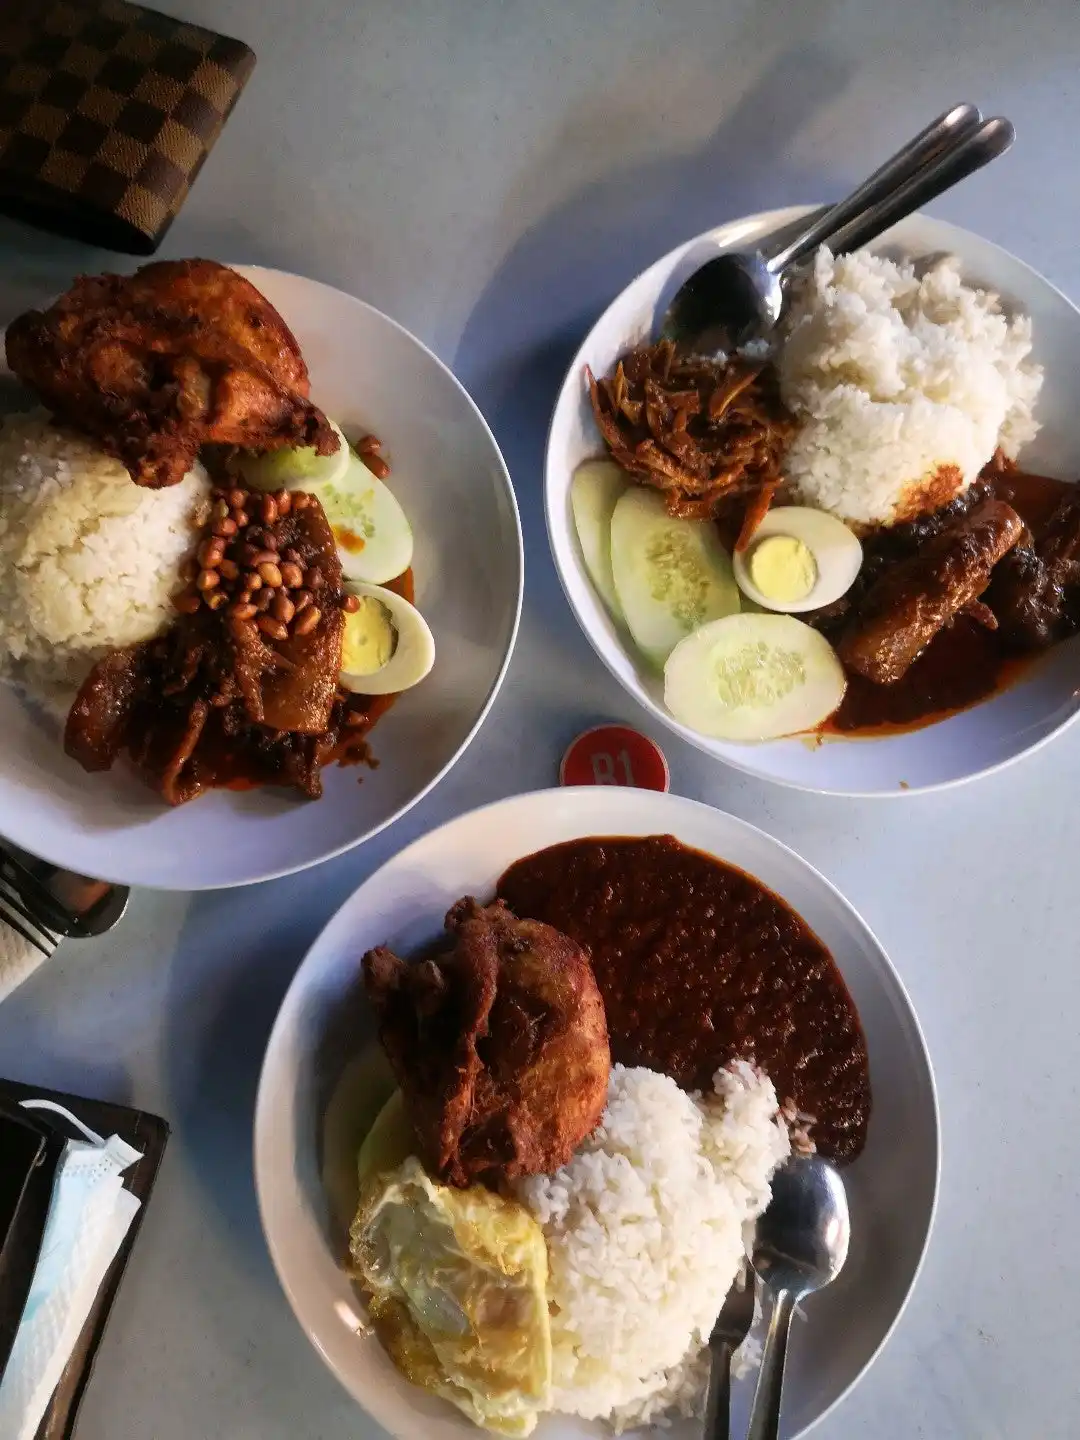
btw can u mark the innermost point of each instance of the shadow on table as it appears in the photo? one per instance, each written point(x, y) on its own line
point(222, 999)
point(563, 271)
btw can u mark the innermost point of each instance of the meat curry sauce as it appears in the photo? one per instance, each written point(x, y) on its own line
point(980, 652)
point(698, 964)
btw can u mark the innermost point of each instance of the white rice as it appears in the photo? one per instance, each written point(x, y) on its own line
point(646, 1230)
point(88, 559)
point(905, 386)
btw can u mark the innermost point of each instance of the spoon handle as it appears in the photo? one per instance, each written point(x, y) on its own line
point(765, 1416)
point(938, 138)
point(991, 139)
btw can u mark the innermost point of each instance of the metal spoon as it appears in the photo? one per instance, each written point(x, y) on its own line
point(737, 298)
point(800, 1246)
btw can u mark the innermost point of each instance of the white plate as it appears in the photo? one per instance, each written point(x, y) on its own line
point(309, 1120)
point(369, 374)
point(973, 743)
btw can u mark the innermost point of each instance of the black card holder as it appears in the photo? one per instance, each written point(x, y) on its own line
point(28, 1160)
point(148, 1134)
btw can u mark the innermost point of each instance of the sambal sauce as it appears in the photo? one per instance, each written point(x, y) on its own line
point(698, 964)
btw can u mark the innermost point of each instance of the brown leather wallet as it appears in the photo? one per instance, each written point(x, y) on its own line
point(147, 1133)
point(107, 112)
point(28, 1160)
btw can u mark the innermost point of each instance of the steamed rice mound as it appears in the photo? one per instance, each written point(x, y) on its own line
point(88, 559)
point(645, 1229)
point(904, 386)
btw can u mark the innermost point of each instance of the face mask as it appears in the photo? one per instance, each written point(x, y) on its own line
point(89, 1216)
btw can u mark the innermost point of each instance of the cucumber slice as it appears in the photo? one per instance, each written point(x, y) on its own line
point(388, 1143)
point(594, 491)
point(374, 539)
point(300, 469)
point(671, 575)
point(753, 677)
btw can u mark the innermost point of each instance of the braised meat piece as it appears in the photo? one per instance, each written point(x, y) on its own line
point(156, 364)
point(916, 598)
point(697, 430)
point(230, 694)
point(1034, 590)
point(500, 1047)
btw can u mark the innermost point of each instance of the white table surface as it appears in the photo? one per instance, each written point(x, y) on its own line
point(490, 174)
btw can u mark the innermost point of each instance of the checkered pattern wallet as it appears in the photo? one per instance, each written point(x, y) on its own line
point(107, 112)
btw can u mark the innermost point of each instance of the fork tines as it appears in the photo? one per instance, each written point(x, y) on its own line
point(29, 909)
point(45, 909)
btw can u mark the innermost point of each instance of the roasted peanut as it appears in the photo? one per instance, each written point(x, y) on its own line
point(229, 569)
point(243, 610)
point(252, 580)
point(187, 602)
point(368, 445)
point(301, 599)
point(215, 599)
point(269, 510)
point(377, 465)
point(284, 502)
point(237, 499)
point(350, 604)
point(225, 528)
point(313, 578)
point(220, 510)
point(207, 580)
point(274, 628)
point(282, 608)
point(306, 622)
point(263, 557)
point(292, 575)
point(270, 574)
point(263, 600)
point(212, 552)
point(241, 518)
point(300, 500)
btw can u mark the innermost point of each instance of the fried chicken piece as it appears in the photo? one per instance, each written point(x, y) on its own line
point(500, 1046)
point(154, 365)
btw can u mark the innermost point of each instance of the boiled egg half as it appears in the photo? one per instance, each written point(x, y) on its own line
point(387, 646)
point(799, 559)
point(373, 536)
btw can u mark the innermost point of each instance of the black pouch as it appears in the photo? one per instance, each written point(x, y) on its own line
point(28, 1160)
point(37, 1139)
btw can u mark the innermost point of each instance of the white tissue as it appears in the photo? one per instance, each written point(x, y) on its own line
point(89, 1215)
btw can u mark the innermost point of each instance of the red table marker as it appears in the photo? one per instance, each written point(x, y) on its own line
point(615, 755)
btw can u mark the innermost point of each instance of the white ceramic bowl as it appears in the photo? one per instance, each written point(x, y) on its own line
point(315, 1101)
point(973, 743)
point(369, 374)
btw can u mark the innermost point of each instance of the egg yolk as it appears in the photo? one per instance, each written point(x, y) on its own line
point(370, 639)
point(782, 569)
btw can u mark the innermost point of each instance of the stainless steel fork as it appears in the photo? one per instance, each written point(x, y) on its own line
point(30, 911)
point(731, 1329)
point(44, 904)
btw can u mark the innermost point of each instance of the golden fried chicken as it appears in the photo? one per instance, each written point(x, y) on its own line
point(500, 1047)
point(154, 365)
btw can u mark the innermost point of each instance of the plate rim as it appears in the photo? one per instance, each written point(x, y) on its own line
point(292, 1003)
point(776, 217)
point(166, 880)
